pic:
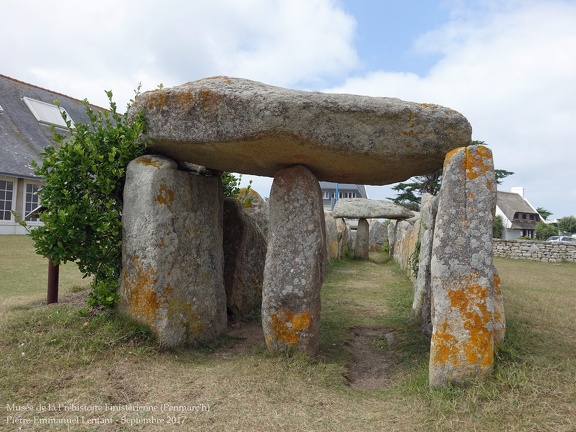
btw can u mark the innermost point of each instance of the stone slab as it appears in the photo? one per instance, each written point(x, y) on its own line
point(358, 208)
point(238, 125)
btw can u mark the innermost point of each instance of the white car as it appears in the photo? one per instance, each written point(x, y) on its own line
point(562, 239)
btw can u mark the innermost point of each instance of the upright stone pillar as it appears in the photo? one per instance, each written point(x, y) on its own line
point(421, 304)
point(295, 263)
point(362, 247)
point(244, 257)
point(172, 256)
point(499, 316)
point(331, 237)
point(462, 274)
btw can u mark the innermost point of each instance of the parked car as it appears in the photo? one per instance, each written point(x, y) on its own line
point(562, 239)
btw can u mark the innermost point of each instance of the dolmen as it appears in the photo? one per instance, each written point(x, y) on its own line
point(172, 277)
point(364, 209)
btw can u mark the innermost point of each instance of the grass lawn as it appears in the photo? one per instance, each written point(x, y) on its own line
point(23, 274)
point(97, 369)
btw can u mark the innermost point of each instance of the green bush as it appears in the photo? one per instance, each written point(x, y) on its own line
point(84, 178)
point(497, 227)
point(544, 230)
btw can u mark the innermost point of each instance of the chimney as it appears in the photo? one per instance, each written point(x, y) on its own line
point(518, 190)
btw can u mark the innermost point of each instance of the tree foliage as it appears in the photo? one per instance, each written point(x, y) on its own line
point(545, 214)
point(410, 192)
point(497, 227)
point(82, 197)
point(544, 230)
point(567, 225)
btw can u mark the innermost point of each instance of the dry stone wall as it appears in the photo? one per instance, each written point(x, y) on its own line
point(534, 250)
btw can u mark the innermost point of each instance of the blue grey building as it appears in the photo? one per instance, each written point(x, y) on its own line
point(332, 191)
point(26, 114)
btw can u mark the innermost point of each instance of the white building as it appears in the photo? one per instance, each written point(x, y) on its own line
point(518, 215)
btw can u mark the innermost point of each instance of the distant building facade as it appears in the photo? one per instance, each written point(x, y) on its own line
point(331, 192)
point(518, 215)
point(26, 114)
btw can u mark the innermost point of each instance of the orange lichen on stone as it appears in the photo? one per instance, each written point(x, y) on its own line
point(184, 314)
point(466, 339)
point(181, 101)
point(450, 155)
point(287, 326)
point(446, 347)
point(142, 300)
point(148, 161)
point(470, 301)
point(166, 196)
point(476, 164)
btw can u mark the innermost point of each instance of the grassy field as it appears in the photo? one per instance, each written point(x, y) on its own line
point(95, 369)
point(23, 273)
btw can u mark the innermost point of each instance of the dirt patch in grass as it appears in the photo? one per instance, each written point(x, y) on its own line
point(370, 366)
point(243, 337)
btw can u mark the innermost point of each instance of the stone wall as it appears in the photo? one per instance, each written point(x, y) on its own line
point(534, 250)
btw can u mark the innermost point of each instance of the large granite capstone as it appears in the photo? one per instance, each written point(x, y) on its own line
point(243, 126)
point(358, 208)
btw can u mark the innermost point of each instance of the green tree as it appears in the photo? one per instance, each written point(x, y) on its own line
point(82, 197)
point(544, 213)
point(497, 227)
point(410, 193)
point(567, 225)
point(544, 230)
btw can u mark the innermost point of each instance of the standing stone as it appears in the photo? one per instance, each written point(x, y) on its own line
point(343, 235)
point(499, 316)
point(295, 263)
point(331, 237)
point(172, 259)
point(350, 238)
point(378, 235)
point(462, 274)
point(392, 228)
point(244, 257)
point(256, 207)
point(421, 304)
point(361, 250)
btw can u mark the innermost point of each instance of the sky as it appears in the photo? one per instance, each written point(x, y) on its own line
point(509, 66)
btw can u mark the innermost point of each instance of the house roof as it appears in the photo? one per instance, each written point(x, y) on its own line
point(511, 203)
point(345, 187)
point(22, 137)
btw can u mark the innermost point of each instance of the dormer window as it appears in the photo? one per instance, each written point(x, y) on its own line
point(48, 113)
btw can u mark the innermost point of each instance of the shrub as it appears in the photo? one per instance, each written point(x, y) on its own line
point(84, 178)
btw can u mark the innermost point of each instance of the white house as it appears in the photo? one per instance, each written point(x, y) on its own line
point(518, 215)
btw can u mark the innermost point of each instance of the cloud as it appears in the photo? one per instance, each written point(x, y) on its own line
point(510, 71)
point(83, 48)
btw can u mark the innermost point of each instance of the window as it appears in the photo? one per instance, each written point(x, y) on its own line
point(47, 113)
point(31, 201)
point(6, 198)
